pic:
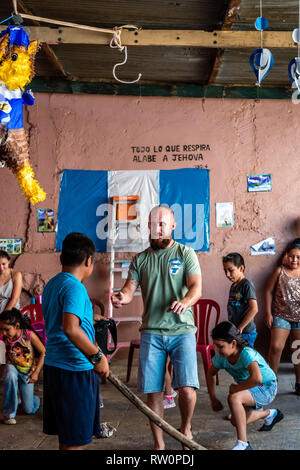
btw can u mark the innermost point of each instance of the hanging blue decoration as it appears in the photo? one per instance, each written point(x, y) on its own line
point(261, 62)
point(294, 72)
point(261, 23)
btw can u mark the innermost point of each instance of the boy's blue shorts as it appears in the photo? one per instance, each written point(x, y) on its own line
point(71, 407)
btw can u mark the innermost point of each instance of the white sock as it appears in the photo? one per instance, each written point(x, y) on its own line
point(240, 445)
point(270, 417)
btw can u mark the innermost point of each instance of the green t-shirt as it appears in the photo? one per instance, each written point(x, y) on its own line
point(161, 275)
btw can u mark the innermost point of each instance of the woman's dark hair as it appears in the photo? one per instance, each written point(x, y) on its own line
point(235, 258)
point(294, 244)
point(14, 316)
point(227, 331)
point(76, 248)
point(4, 254)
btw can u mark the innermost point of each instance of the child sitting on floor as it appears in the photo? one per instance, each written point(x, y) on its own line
point(20, 369)
point(242, 303)
point(255, 386)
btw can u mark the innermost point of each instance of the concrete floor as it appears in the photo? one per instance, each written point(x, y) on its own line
point(210, 429)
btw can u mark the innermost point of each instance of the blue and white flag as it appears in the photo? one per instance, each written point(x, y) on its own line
point(85, 205)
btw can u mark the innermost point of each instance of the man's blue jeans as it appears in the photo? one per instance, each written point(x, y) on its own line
point(12, 380)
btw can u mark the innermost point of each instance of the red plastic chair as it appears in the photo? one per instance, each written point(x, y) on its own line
point(35, 313)
point(203, 310)
point(134, 344)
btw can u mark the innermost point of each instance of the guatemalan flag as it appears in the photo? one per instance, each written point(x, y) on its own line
point(86, 205)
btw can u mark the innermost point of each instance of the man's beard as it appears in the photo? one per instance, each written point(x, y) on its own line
point(159, 244)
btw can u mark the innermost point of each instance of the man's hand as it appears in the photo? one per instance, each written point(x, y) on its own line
point(102, 368)
point(117, 299)
point(178, 307)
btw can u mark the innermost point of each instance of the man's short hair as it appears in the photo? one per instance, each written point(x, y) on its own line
point(76, 248)
point(163, 206)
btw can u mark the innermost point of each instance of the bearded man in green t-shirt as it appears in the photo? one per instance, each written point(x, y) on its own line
point(169, 276)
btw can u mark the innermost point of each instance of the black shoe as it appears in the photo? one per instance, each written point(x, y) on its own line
point(248, 446)
point(268, 427)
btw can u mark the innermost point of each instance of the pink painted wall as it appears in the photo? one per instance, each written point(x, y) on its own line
point(97, 133)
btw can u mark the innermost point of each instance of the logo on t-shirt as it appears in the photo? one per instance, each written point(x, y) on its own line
point(237, 301)
point(175, 265)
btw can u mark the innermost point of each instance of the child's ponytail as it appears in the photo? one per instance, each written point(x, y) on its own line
point(227, 331)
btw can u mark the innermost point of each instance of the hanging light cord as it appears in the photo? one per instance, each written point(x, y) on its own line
point(261, 31)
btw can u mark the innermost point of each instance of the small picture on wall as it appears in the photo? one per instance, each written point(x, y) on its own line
point(13, 246)
point(265, 247)
point(224, 214)
point(259, 183)
point(45, 220)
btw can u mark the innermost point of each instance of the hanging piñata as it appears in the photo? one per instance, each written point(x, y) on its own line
point(17, 55)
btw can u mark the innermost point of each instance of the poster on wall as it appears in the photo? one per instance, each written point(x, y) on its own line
point(265, 247)
point(86, 205)
point(257, 183)
point(224, 214)
point(13, 246)
point(45, 218)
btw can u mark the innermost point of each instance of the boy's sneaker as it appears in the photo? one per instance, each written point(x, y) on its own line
point(173, 394)
point(169, 402)
point(9, 421)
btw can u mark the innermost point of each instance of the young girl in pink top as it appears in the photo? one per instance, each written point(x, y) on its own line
point(282, 305)
point(21, 369)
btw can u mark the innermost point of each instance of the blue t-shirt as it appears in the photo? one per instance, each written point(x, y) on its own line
point(64, 293)
point(239, 371)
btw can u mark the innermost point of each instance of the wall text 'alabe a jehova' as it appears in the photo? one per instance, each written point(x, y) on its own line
point(193, 153)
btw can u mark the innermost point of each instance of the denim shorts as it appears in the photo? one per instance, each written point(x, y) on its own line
point(154, 350)
point(250, 337)
point(285, 324)
point(263, 394)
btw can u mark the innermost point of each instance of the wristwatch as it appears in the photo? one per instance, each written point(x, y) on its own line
point(96, 358)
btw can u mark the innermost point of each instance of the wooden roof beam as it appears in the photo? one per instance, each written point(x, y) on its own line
point(182, 38)
point(230, 16)
point(51, 56)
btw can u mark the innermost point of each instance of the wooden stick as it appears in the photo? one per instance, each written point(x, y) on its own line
point(153, 416)
point(65, 23)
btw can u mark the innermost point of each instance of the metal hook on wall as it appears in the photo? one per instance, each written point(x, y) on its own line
point(122, 63)
point(116, 43)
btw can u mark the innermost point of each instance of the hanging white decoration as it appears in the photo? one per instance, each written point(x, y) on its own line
point(261, 60)
point(294, 65)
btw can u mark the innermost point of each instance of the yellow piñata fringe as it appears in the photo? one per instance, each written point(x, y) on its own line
point(29, 185)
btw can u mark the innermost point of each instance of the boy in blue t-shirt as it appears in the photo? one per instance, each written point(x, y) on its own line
point(73, 360)
point(242, 304)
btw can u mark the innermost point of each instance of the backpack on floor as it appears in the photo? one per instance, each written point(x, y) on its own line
point(102, 327)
